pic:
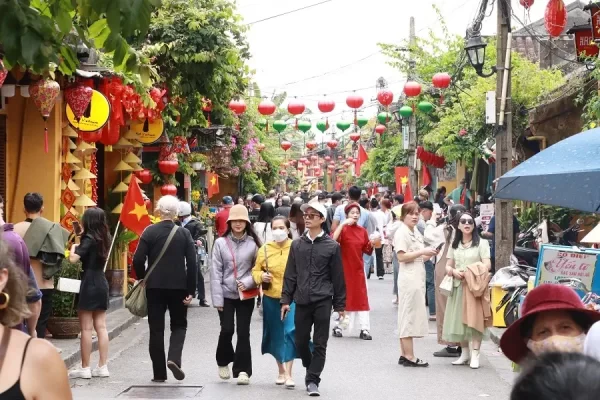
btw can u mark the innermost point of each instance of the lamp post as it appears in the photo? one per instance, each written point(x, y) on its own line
point(475, 49)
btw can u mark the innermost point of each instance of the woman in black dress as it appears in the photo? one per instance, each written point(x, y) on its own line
point(92, 250)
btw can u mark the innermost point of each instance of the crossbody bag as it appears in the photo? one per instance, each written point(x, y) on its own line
point(244, 294)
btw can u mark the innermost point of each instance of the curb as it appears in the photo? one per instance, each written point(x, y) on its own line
point(496, 334)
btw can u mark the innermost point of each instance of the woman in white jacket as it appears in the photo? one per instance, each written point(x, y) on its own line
point(262, 226)
point(389, 231)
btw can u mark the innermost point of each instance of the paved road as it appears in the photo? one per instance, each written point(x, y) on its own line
point(354, 369)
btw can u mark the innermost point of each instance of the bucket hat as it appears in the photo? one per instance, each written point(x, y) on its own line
point(238, 213)
point(350, 206)
point(547, 297)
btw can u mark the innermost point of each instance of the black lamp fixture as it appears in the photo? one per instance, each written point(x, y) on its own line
point(475, 49)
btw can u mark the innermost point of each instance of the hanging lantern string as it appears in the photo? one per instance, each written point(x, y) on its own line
point(46, 134)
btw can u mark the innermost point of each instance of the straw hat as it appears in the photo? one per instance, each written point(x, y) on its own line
point(238, 213)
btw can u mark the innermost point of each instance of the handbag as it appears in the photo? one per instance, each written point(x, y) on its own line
point(244, 294)
point(447, 286)
point(136, 301)
point(68, 285)
point(266, 285)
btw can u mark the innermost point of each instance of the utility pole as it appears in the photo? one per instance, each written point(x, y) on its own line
point(504, 209)
point(413, 179)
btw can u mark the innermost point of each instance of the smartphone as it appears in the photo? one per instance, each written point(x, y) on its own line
point(77, 228)
point(440, 246)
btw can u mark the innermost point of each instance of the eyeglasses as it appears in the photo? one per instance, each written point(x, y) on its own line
point(311, 216)
point(467, 221)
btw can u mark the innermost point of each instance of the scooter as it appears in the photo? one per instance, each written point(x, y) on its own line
point(514, 291)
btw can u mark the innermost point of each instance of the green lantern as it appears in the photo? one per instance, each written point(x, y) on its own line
point(384, 117)
point(304, 126)
point(406, 111)
point(425, 107)
point(261, 123)
point(362, 121)
point(279, 126)
point(343, 125)
point(322, 126)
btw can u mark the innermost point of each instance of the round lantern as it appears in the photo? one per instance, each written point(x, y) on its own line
point(322, 126)
point(331, 167)
point(311, 145)
point(332, 144)
point(380, 129)
point(168, 190)
point(285, 145)
point(354, 101)
point(144, 175)
point(555, 17)
point(326, 105)
point(340, 158)
point(441, 80)
point(237, 106)
point(283, 173)
point(306, 162)
point(355, 136)
point(350, 158)
point(343, 125)
point(412, 89)
point(462, 132)
point(261, 123)
point(362, 121)
point(44, 92)
point(327, 158)
point(79, 98)
point(347, 164)
point(266, 107)
point(314, 158)
point(405, 111)
point(304, 126)
point(526, 3)
point(91, 137)
point(168, 167)
point(384, 117)
point(279, 125)
point(296, 107)
point(425, 107)
point(385, 97)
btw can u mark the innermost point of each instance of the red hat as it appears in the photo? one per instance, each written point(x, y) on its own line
point(547, 297)
point(350, 206)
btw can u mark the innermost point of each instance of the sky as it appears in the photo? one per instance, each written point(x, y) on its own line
point(321, 40)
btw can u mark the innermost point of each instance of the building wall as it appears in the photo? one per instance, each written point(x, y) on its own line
point(28, 167)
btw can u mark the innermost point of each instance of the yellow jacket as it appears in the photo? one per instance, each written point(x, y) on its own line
point(277, 257)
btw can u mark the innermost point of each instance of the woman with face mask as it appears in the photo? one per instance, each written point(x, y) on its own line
point(553, 319)
point(468, 312)
point(278, 335)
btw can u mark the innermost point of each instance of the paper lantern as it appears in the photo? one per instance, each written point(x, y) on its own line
point(168, 167)
point(332, 144)
point(526, 3)
point(380, 129)
point(91, 137)
point(279, 125)
point(283, 173)
point(343, 125)
point(145, 176)
point(168, 190)
point(441, 80)
point(266, 107)
point(385, 97)
point(311, 145)
point(326, 105)
point(354, 101)
point(314, 158)
point(384, 117)
point(355, 136)
point(327, 158)
point(425, 107)
point(237, 106)
point(362, 121)
point(304, 126)
point(322, 126)
point(44, 93)
point(405, 111)
point(412, 89)
point(79, 98)
point(296, 107)
point(285, 145)
point(555, 17)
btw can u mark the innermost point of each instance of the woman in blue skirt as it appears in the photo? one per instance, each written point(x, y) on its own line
point(278, 334)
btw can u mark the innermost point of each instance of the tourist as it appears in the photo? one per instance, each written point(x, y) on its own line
point(412, 316)
point(354, 195)
point(296, 218)
point(354, 242)
point(553, 318)
point(278, 335)
point(278, 202)
point(197, 231)
point(240, 200)
point(387, 251)
point(390, 232)
point(285, 207)
point(33, 368)
point(38, 233)
point(468, 312)
point(93, 251)
point(314, 280)
point(460, 195)
point(336, 200)
point(171, 254)
point(591, 347)
point(271, 197)
point(440, 195)
point(381, 221)
point(222, 216)
point(257, 201)
point(262, 226)
point(426, 208)
point(233, 258)
point(398, 200)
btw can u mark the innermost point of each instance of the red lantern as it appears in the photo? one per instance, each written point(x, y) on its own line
point(412, 89)
point(311, 145)
point(79, 98)
point(380, 129)
point(327, 158)
point(331, 167)
point(44, 93)
point(441, 80)
point(326, 105)
point(168, 190)
point(144, 175)
point(266, 107)
point(354, 101)
point(168, 167)
point(317, 169)
point(332, 144)
point(355, 136)
point(347, 164)
point(283, 173)
point(385, 97)
point(555, 17)
point(526, 3)
point(314, 158)
point(332, 163)
point(285, 145)
point(306, 162)
point(340, 158)
point(350, 158)
point(91, 137)
point(296, 107)
point(237, 106)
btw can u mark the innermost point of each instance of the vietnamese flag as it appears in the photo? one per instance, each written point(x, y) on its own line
point(426, 176)
point(362, 158)
point(402, 183)
point(212, 184)
point(134, 215)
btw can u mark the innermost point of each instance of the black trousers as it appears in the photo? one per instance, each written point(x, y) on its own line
point(200, 285)
point(235, 317)
point(379, 262)
point(45, 312)
point(318, 315)
point(159, 300)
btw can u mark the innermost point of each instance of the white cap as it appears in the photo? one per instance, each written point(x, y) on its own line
point(315, 205)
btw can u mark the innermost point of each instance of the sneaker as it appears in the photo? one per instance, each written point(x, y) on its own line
point(337, 332)
point(243, 379)
point(432, 318)
point(447, 352)
point(224, 373)
point(176, 370)
point(101, 372)
point(203, 303)
point(381, 278)
point(280, 380)
point(365, 335)
point(81, 373)
point(289, 383)
point(312, 389)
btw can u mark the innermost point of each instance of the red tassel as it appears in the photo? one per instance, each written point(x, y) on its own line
point(355, 118)
point(46, 139)
point(267, 128)
point(296, 123)
point(441, 98)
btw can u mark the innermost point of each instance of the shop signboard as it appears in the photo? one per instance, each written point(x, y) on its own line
point(148, 131)
point(561, 262)
point(95, 117)
point(486, 212)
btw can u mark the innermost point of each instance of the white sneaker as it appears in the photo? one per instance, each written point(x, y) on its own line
point(280, 380)
point(101, 372)
point(81, 373)
point(224, 373)
point(243, 379)
point(289, 383)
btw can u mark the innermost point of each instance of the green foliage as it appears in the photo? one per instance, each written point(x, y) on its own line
point(121, 245)
point(252, 183)
point(63, 303)
point(40, 33)
point(383, 159)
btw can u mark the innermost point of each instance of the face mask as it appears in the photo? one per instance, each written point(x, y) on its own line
point(561, 344)
point(279, 235)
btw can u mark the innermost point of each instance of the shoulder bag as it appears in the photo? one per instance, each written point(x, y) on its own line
point(447, 286)
point(244, 294)
point(136, 301)
point(266, 285)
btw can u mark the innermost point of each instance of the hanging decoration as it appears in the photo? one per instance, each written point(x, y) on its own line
point(429, 158)
point(44, 93)
point(385, 97)
point(91, 137)
point(304, 126)
point(144, 175)
point(311, 145)
point(384, 117)
point(322, 126)
point(168, 167)
point(405, 112)
point(380, 129)
point(3, 73)
point(79, 98)
point(285, 146)
point(362, 121)
point(168, 190)
point(555, 17)
point(238, 107)
point(343, 125)
point(296, 107)
point(279, 126)
point(207, 109)
point(412, 89)
point(355, 102)
point(355, 136)
point(332, 144)
point(266, 108)
point(441, 81)
point(526, 3)
point(425, 107)
point(325, 106)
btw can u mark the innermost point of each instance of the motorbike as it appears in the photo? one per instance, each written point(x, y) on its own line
point(590, 299)
point(515, 288)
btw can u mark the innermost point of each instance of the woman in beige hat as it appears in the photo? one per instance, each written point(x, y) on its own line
point(234, 256)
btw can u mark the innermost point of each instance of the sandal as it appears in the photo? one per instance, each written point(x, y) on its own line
point(417, 363)
point(337, 332)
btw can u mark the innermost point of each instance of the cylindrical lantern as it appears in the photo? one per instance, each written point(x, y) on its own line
point(168, 190)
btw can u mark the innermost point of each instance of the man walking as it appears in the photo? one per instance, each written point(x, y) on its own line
point(285, 207)
point(221, 217)
point(424, 221)
point(314, 279)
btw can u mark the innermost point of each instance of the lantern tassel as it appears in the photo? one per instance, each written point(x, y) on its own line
point(296, 127)
point(208, 121)
point(441, 98)
point(267, 127)
point(46, 139)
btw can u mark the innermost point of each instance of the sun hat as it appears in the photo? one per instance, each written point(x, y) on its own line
point(238, 213)
point(546, 297)
point(316, 206)
point(350, 206)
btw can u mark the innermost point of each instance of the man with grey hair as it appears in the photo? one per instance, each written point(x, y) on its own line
point(285, 207)
point(271, 197)
point(298, 200)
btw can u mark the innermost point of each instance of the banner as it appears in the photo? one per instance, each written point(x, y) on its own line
point(402, 183)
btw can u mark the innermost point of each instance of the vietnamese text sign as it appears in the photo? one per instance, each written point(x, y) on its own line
point(555, 264)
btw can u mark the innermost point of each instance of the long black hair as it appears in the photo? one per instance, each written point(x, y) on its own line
point(266, 213)
point(249, 231)
point(296, 217)
point(459, 235)
point(94, 224)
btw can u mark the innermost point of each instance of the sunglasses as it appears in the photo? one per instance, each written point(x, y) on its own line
point(311, 216)
point(467, 221)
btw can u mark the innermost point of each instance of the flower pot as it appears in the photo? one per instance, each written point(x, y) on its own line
point(64, 328)
point(198, 166)
point(115, 278)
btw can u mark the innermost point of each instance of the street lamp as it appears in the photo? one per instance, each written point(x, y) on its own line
point(476, 52)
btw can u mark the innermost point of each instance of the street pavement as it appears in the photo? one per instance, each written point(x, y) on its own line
point(354, 369)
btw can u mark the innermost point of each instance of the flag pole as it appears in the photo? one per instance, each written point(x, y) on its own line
point(112, 243)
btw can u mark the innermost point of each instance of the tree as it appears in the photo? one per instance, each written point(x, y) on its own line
point(383, 158)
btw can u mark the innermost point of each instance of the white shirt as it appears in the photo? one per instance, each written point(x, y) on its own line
point(263, 230)
point(318, 236)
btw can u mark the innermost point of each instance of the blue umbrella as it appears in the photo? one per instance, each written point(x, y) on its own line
point(566, 174)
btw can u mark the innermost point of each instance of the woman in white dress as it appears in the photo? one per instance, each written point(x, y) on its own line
point(412, 314)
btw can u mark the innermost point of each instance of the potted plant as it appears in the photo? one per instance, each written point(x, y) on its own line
point(115, 271)
point(63, 323)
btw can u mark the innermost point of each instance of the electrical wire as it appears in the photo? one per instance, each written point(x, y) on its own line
point(288, 12)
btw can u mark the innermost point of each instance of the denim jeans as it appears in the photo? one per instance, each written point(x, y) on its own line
point(368, 260)
point(430, 285)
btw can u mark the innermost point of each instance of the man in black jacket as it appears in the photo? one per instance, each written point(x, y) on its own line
point(197, 231)
point(314, 280)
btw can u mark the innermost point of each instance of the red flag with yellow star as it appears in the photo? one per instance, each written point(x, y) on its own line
point(212, 183)
point(134, 215)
